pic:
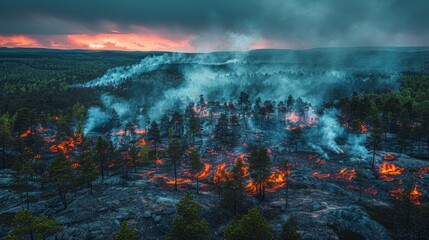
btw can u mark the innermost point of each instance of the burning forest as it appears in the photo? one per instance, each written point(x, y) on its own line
point(319, 143)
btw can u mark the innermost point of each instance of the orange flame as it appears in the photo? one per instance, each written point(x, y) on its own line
point(414, 196)
point(221, 175)
point(389, 157)
point(140, 131)
point(345, 174)
point(371, 190)
point(67, 145)
point(75, 165)
point(26, 133)
point(293, 117)
point(206, 172)
point(321, 175)
point(179, 181)
point(363, 128)
point(321, 161)
point(141, 142)
point(159, 161)
point(390, 169)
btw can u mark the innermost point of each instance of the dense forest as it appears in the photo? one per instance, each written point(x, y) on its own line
point(246, 160)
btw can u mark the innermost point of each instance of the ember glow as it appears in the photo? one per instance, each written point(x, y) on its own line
point(321, 175)
point(67, 145)
point(389, 157)
point(26, 133)
point(293, 117)
point(413, 196)
point(390, 169)
point(345, 174)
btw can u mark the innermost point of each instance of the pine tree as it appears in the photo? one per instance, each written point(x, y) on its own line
point(251, 226)
point(164, 125)
point(290, 103)
point(28, 226)
point(87, 166)
point(295, 137)
point(6, 138)
point(126, 233)
point(221, 131)
point(196, 164)
point(134, 155)
point(377, 131)
point(175, 153)
point(244, 105)
point(154, 136)
point(233, 194)
point(61, 174)
point(259, 169)
point(189, 223)
point(101, 152)
point(177, 124)
point(194, 128)
point(144, 156)
point(290, 229)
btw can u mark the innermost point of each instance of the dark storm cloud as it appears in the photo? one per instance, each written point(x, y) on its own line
point(304, 23)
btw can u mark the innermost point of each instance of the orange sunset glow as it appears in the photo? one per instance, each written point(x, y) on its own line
point(114, 40)
point(103, 41)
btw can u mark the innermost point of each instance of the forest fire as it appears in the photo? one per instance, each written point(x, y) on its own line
point(179, 181)
point(141, 142)
point(206, 172)
point(321, 175)
point(422, 171)
point(320, 162)
point(140, 131)
point(293, 117)
point(67, 145)
point(413, 196)
point(221, 175)
point(345, 174)
point(363, 128)
point(26, 133)
point(159, 161)
point(390, 169)
point(371, 190)
point(389, 157)
point(277, 180)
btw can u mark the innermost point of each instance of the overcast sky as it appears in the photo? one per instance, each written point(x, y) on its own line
point(213, 25)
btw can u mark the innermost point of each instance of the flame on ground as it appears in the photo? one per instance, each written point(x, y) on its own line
point(141, 142)
point(67, 145)
point(26, 133)
point(390, 169)
point(159, 161)
point(206, 172)
point(389, 157)
point(179, 181)
point(345, 174)
point(221, 175)
point(414, 195)
point(363, 128)
point(321, 175)
point(371, 190)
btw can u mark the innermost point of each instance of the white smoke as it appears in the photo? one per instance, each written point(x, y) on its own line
point(325, 134)
point(356, 142)
point(96, 117)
